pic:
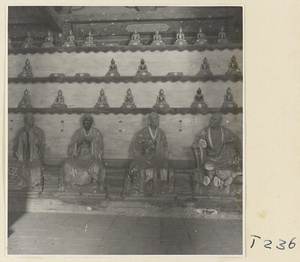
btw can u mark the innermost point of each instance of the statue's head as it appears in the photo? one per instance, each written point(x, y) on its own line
point(161, 92)
point(27, 62)
point(90, 33)
point(153, 120)
point(102, 92)
point(87, 121)
point(222, 28)
point(228, 91)
point(200, 29)
point(29, 119)
point(142, 61)
point(59, 92)
point(205, 60)
point(112, 61)
point(71, 32)
point(157, 32)
point(199, 91)
point(49, 33)
point(26, 92)
point(216, 120)
point(233, 58)
point(180, 29)
point(135, 31)
point(129, 91)
point(28, 34)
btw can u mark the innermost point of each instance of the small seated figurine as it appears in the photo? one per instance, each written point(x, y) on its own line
point(113, 69)
point(89, 42)
point(59, 101)
point(201, 39)
point(128, 100)
point(199, 100)
point(149, 171)
point(9, 44)
point(161, 100)
point(222, 37)
point(102, 100)
point(233, 67)
point(228, 100)
point(142, 69)
point(29, 148)
point(135, 39)
point(205, 69)
point(48, 41)
point(157, 39)
point(84, 165)
point(217, 150)
point(26, 101)
point(70, 40)
point(180, 39)
point(27, 71)
point(28, 43)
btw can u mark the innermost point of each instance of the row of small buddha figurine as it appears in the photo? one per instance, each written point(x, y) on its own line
point(135, 40)
point(161, 101)
point(233, 69)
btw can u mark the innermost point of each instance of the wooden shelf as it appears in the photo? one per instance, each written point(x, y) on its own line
point(133, 111)
point(210, 47)
point(125, 79)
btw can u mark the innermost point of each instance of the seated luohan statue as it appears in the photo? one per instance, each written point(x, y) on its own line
point(218, 151)
point(233, 67)
point(48, 41)
point(27, 70)
point(28, 148)
point(142, 69)
point(157, 39)
point(113, 69)
point(161, 101)
point(135, 39)
point(222, 37)
point(228, 100)
point(128, 100)
point(102, 100)
point(84, 165)
point(199, 100)
point(25, 101)
point(149, 170)
point(70, 40)
point(59, 101)
point(89, 41)
point(201, 39)
point(205, 69)
point(28, 43)
point(180, 38)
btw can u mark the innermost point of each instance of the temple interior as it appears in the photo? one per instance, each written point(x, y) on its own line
point(60, 69)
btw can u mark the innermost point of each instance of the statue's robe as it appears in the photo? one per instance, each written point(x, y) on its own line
point(150, 156)
point(85, 162)
point(28, 147)
point(218, 149)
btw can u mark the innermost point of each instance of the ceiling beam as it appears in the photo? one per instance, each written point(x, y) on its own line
point(52, 17)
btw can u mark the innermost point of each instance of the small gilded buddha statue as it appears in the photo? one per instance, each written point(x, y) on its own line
point(201, 39)
point(222, 37)
point(26, 101)
point(142, 69)
point(228, 100)
point(199, 100)
point(135, 39)
point(113, 69)
point(205, 69)
point(28, 43)
point(233, 67)
point(89, 41)
point(59, 101)
point(128, 100)
point(48, 41)
point(70, 40)
point(102, 100)
point(27, 71)
point(161, 100)
point(157, 39)
point(180, 38)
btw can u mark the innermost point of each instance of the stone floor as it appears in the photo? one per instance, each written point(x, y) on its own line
point(94, 234)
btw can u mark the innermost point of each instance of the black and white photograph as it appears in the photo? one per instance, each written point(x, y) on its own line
point(125, 130)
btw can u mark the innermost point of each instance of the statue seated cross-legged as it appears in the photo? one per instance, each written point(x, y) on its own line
point(157, 41)
point(59, 101)
point(180, 38)
point(28, 43)
point(113, 69)
point(135, 39)
point(201, 38)
point(89, 41)
point(142, 70)
point(149, 171)
point(222, 37)
point(218, 151)
point(84, 165)
point(48, 41)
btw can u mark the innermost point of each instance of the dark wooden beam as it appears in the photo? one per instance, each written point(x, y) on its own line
point(52, 17)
